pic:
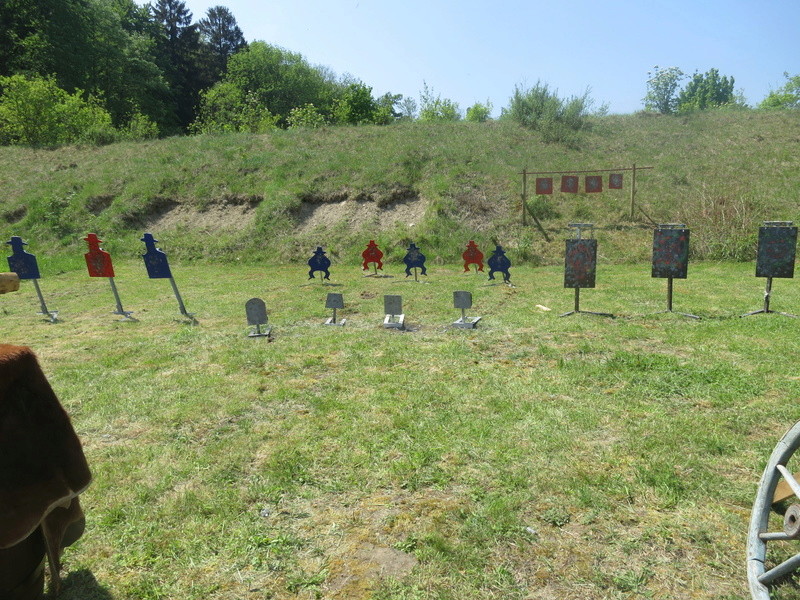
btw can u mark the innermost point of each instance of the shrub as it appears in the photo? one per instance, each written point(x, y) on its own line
point(541, 109)
point(435, 108)
point(479, 113)
point(305, 116)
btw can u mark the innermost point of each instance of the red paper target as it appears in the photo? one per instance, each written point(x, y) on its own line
point(615, 181)
point(594, 184)
point(544, 185)
point(569, 184)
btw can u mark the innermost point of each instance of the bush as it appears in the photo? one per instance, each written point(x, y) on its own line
point(541, 109)
point(435, 108)
point(36, 112)
point(305, 116)
point(479, 113)
point(226, 108)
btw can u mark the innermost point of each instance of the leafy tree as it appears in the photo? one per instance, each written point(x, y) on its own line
point(280, 79)
point(479, 113)
point(408, 108)
point(434, 108)
point(355, 106)
point(787, 96)
point(178, 48)
point(706, 91)
point(541, 109)
point(662, 88)
point(221, 36)
point(36, 112)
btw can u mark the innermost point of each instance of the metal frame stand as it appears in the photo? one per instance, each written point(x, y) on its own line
point(669, 302)
point(394, 321)
point(766, 309)
point(51, 314)
point(466, 322)
point(120, 311)
point(332, 320)
point(577, 309)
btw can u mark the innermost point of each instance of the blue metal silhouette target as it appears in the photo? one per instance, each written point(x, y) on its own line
point(21, 262)
point(154, 259)
point(319, 262)
point(414, 259)
point(499, 263)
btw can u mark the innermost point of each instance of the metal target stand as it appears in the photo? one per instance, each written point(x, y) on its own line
point(777, 241)
point(583, 275)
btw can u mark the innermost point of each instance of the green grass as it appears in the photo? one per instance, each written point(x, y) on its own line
point(720, 172)
point(535, 456)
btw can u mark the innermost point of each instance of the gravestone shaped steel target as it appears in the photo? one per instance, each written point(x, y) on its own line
point(25, 266)
point(777, 243)
point(580, 264)
point(98, 262)
point(319, 262)
point(499, 263)
point(335, 301)
point(155, 261)
point(472, 256)
point(256, 312)
point(373, 255)
point(393, 310)
point(671, 257)
point(463, 300)
point(414, 259)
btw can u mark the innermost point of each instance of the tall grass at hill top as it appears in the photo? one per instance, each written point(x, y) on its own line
point(720, 172)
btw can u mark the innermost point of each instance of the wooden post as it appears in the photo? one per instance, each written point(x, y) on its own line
point(9, 282)
point(524, 195)
point(633, 189)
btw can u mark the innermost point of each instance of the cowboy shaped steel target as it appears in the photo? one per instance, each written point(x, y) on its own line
point(98, 261)
point(414, 259)
point(499, 263)
point(472, 256)
point(319, 262)
point(372, 255)
point(155, 261)
point(25, 266)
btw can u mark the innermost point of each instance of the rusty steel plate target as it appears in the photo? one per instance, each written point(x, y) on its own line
point(670, 253)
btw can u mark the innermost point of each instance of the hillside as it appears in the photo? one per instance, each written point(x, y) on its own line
point(274, 197)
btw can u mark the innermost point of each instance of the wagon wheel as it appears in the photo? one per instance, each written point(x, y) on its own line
point(771, 557)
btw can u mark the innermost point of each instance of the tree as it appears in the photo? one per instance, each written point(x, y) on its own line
point(434, 108)
point(227, 108)
point(221, 36)
point(787, 96)
point(662, 87)
point(355, 106)
point(706, 91)
point(281, 80)
point(178, 47)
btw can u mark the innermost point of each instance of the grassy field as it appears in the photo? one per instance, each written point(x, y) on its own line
point(278, 195)
point(533, 457)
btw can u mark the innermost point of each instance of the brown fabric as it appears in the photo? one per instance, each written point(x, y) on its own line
point(41, 460)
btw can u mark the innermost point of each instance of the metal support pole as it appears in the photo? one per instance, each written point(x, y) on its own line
point(669, 294)
point(633, 190)
point(181, 306)
point(767, 294)
point(53, 315)
point(120, 310)
point(524, 196)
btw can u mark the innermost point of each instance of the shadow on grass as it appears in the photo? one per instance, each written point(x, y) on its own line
point(82, 585)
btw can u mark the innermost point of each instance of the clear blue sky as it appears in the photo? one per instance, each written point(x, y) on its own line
point(472, 51)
